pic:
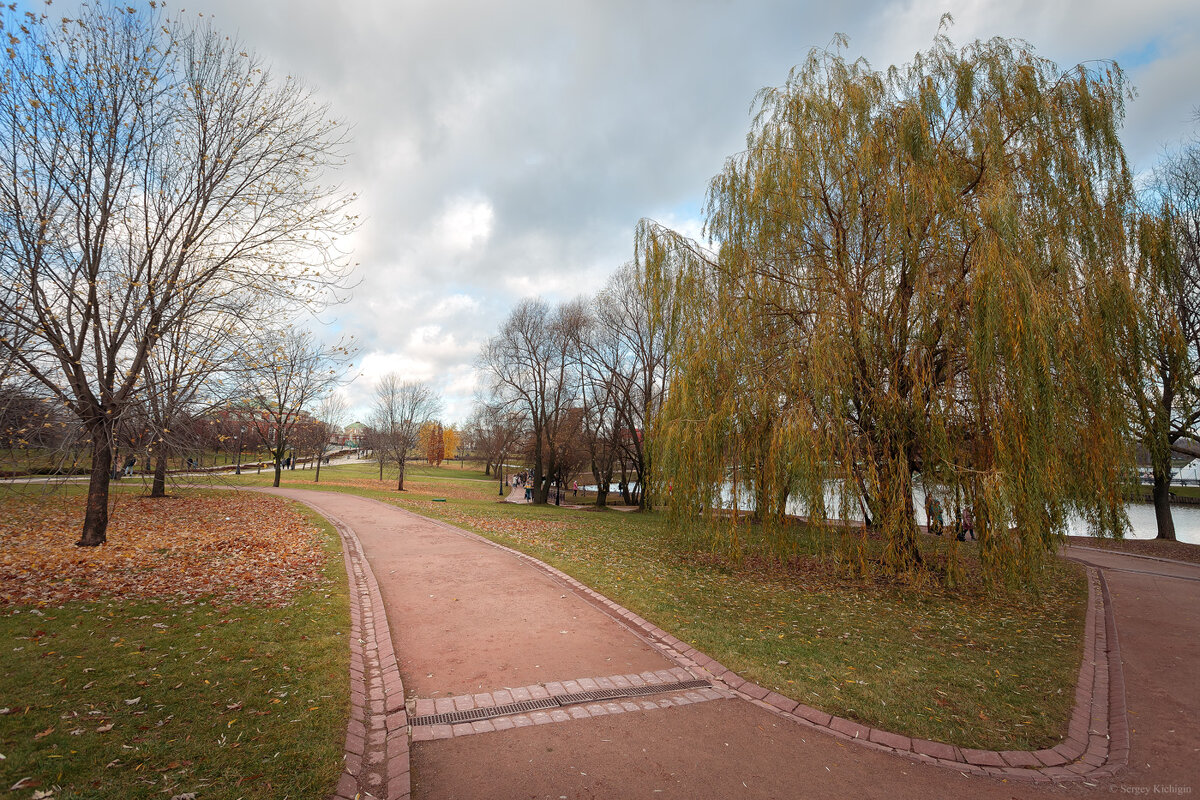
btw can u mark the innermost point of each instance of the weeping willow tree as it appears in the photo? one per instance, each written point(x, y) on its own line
point(913, 286)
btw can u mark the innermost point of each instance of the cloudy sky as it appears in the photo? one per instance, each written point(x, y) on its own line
point(507, 149)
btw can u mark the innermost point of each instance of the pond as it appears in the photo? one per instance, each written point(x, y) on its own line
point(1141, 515)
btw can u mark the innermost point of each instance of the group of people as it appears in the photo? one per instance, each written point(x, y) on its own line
point(522, 479)
point(935, 518)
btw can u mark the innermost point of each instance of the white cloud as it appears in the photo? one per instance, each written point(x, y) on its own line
point(503, 150)
point(465, 224)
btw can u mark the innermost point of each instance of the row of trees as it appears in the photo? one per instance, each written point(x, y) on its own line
point(938, 278)
point(38, 437)
point(164, 206)
point(573, 388)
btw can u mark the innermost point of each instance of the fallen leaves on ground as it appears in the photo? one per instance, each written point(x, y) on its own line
point(240, 547)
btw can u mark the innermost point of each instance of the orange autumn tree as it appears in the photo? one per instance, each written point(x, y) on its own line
point(433, 442)
point(451, 438)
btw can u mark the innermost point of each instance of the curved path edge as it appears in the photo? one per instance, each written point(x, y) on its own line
point(377, 736)
point(376, 761)
point(1097, 742)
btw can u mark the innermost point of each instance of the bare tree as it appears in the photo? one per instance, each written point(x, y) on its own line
point(401, 408)
point(638, 323)
point(530, 369)
point(331, 413)
point(373, 443)
point(182, 380)
point(286, 375)
point(600, 393)
point(149, 168)
point(494, 432)
point(1164, 343)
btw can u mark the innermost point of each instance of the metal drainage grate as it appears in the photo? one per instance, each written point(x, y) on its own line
point(476, 714)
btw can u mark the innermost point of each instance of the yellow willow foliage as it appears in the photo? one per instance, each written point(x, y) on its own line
point(913, 285)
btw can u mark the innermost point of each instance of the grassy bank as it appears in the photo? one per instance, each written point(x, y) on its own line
point(170, 680)
point(967, 668)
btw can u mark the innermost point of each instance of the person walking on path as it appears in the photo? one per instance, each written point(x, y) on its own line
point(934, 515)
point(968, 524)
point(933, 509)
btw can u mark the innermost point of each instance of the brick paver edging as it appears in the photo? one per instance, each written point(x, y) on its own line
point(1097, 742)
point(584, 710)
point(376, 759)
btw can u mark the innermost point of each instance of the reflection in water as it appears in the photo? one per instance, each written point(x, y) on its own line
point(1141, 515)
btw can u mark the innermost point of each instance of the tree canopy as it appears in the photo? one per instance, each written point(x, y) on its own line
point(154, 174)
point(912, 281)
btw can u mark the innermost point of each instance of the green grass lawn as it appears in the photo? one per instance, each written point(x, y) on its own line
point(969, 668)
point(121, 698)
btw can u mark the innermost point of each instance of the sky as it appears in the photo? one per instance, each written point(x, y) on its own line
point(504, 150)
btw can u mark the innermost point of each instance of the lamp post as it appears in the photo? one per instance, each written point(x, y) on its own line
point(500, 470)
point(238, 470)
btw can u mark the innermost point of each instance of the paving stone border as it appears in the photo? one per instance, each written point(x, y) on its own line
point(376, 758)
point(1097, 741)
point(600, 708)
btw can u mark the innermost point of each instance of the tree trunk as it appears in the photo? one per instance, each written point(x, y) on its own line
point(400, 483)
point(898, 521)
point(317, 477)
point(280, 447)
point(159, 487)
point(541, 486)
point(643, 476)
point(603, 481)
point(95, 521)
point(1162, 503)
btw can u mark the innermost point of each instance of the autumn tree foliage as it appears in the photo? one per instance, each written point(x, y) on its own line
point(433, 442)
point(153, 169)
point(451, 439)
point(912, 280)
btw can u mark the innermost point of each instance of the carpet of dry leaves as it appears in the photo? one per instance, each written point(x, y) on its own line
point(239, 547)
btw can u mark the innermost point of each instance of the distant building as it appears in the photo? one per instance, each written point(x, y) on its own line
point(352, 434)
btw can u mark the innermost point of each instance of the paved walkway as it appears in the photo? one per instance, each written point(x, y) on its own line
point(446, 623)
